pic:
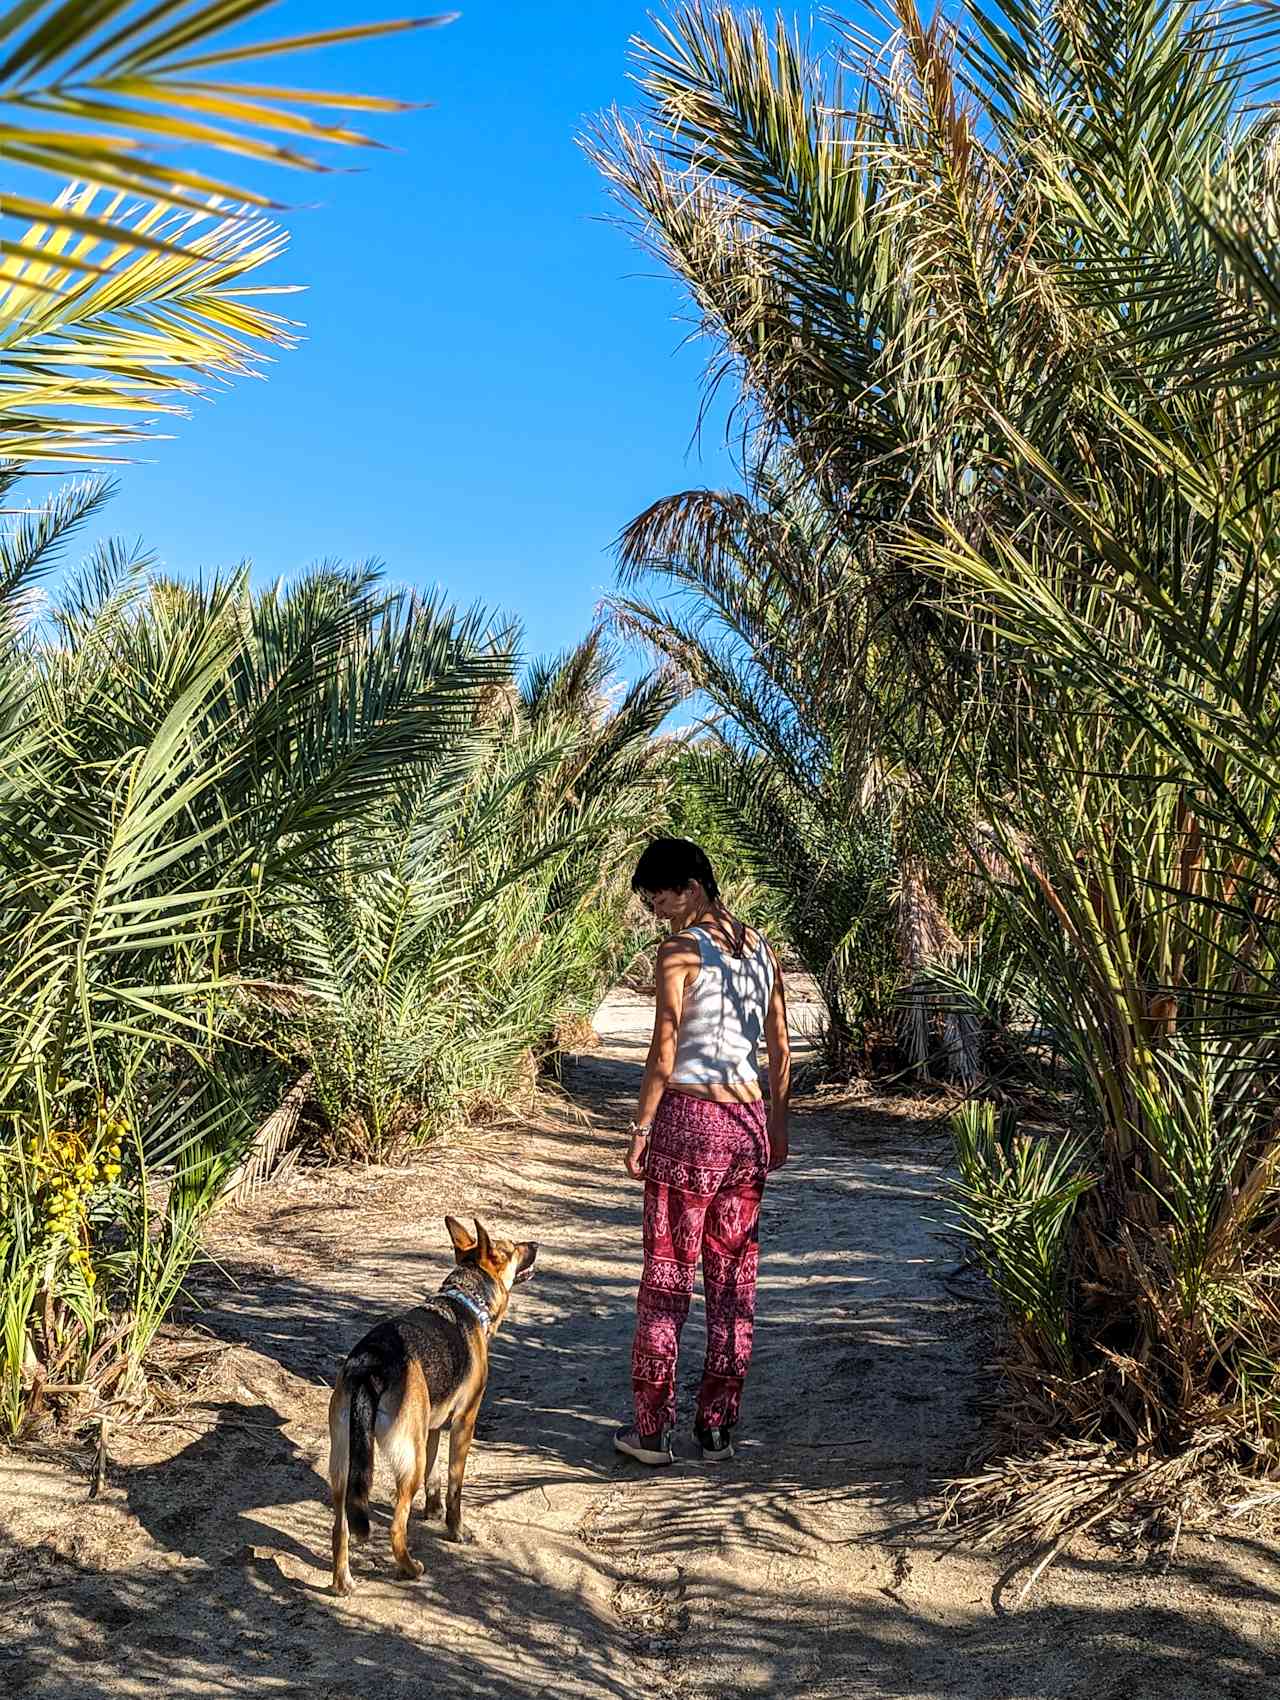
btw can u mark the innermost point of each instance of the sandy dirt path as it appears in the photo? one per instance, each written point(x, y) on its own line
point(798, 1570)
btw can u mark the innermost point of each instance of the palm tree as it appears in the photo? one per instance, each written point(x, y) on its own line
point(1004, 290)
point(177, 762)
point(479, 914)
point(823, 817)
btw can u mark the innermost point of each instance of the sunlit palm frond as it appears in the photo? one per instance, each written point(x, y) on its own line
point(110, 93)
point(90, 359)
point(132, 290)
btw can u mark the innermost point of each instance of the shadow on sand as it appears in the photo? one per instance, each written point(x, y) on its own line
point(858, 1400)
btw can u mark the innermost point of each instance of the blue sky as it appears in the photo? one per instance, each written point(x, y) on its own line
point(492, 382)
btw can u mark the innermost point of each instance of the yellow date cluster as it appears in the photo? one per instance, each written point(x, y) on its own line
point(66, 1167)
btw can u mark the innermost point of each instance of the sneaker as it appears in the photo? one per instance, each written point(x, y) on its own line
point(645, 1448)
point(716, 1443)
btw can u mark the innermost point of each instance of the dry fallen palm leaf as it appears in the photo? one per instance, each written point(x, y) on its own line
point(1049, 1500)
point(269, 1155)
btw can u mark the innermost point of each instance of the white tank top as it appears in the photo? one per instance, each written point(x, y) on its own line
point(723, 1014)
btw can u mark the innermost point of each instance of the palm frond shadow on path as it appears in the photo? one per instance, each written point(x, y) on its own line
point(784, 1572)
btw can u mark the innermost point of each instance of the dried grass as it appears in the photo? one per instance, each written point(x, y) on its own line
point(573, 1035)
point(1138, 1505)
point(180, 1367)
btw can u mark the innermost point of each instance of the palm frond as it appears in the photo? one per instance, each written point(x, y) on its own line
point(97, 92)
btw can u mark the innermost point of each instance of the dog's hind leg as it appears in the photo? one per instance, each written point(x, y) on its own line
point(464, 1426)
point(343, 1582)
point(409, 1473)
point(405, 1449)
point(433, 1503)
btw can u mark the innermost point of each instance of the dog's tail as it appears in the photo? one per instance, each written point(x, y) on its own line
point(362, 1382)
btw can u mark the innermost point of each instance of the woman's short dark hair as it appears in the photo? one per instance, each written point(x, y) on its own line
point(668, 864)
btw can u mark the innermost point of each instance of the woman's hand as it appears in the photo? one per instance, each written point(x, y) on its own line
point(779, 1145)
point(637, 1151)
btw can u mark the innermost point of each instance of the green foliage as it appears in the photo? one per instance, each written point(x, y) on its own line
point(695, 813)
point(810, 805)
point(1014, 1202)
point(472, 920)
point(124, 291)
point(830, 879)
point(1001, 301)
point(239, 833)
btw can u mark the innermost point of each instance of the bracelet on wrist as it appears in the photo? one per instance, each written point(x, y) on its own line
point(637, 1128)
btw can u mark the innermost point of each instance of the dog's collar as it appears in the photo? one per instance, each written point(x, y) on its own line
point(478, 1308)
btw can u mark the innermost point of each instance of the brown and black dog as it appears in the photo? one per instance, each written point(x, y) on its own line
point(408, 1379)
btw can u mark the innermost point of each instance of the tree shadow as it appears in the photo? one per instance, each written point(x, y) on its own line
point(225, 1610)
point(173, 1500)
point(855, 1395)
point(240, 1623)
point(235, 1598)
point(858, 1401)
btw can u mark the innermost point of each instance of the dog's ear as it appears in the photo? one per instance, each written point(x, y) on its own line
point(524, 1266)
point(462, 1240)
point(484, 1245)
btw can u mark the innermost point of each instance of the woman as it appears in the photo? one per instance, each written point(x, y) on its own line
point(702, 1144)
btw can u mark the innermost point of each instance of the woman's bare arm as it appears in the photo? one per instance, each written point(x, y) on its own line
point(678, 961)
point(778, 1042)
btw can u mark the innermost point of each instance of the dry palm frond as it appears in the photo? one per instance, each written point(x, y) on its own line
point(1051, 1499)
point(269, 1155)
point(961, 1042)
point(925, 936)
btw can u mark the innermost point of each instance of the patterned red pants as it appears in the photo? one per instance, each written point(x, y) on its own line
point(704, 1177)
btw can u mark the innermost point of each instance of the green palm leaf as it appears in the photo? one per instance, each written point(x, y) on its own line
point(126, 293)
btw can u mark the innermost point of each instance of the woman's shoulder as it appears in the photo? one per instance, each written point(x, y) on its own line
point(735, 940)
point(685, 946)
point(756, 947)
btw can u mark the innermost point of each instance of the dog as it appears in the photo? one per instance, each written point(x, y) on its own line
point(408, 1379)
